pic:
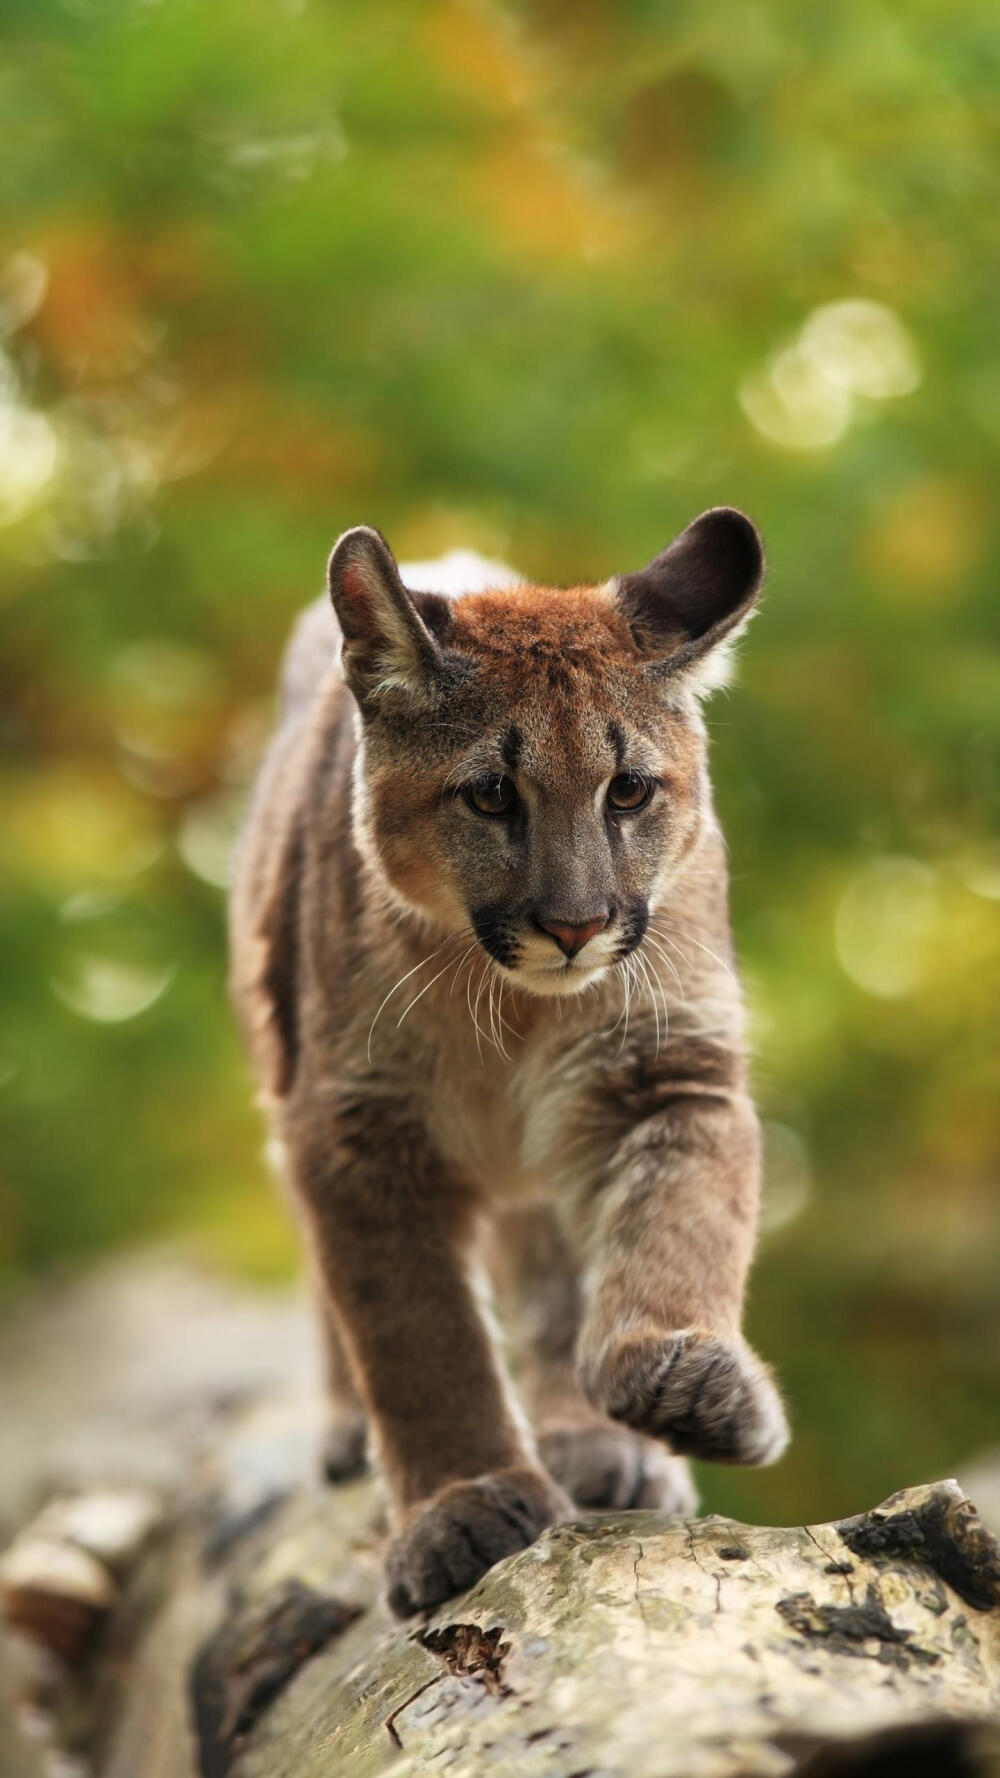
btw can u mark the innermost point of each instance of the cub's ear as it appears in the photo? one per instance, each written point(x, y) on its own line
point(391, 636)
point(695, 595)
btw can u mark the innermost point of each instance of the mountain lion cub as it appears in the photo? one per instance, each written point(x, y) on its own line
point(481, 953)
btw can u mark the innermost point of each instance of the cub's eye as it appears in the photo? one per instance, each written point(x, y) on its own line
point(629, 791)
point(494, 795)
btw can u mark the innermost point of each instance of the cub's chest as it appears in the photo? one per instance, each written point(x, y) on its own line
point(476, 1121)
point(503, 1124)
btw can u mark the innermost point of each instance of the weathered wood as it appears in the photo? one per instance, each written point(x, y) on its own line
point(243, 1630)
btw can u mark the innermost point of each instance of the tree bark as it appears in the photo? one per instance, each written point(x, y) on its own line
point(182, 1600)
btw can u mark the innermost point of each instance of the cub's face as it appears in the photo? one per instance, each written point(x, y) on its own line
point(533, 769)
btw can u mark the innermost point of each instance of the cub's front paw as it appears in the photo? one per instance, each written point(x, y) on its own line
point(601, 1465)
point(707, 1395)
point(456, 1536)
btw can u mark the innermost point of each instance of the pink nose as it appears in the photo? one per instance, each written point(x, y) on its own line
point(570, 938)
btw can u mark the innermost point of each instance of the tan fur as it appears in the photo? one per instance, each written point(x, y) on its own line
point(447, 1084)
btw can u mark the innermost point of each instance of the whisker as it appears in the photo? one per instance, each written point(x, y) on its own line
point(497, 1027)
point(721, 963)
point(405, 978)
point(458, 966)
point(653, 982)
point(505, 1023)
point(627, 976)
point(483, 979)
point(490, 985)
point(468, 1002)
point(620, 965)
point(416, 997)
point(646, 969)
point(480, 1033)
point(658, 948)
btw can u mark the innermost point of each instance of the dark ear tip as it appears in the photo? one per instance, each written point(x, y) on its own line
point(734, 539)
point(729, 521)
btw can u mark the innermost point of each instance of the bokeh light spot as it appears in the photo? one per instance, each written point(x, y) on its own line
point(792, 403)
point(24, 280)
point(804, 399)
point(885, 925)
point(979, 869)
point(863, 347)
point(113, 960)
point(207, 837)
point(29, 449)
point(787, 1176)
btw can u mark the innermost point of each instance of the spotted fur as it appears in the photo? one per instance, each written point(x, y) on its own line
point(451, 1070)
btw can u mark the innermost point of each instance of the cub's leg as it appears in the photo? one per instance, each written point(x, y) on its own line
point(392, 1234)
point(344, 1450)
point(598, 1462)
point(345, 1441)
point(670, 1237)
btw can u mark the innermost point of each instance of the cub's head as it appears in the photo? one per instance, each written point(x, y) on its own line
point(533, 763)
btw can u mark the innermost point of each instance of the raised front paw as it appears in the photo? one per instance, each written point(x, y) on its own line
point(452, 1539)
point(705, 1394)
point(603, 1465)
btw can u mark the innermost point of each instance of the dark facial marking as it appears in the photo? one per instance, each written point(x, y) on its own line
point(635, 920)
point(494, 929)
point(616, 736)
point(510, 748)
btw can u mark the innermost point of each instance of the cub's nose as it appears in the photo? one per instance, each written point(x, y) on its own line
point(572, 937)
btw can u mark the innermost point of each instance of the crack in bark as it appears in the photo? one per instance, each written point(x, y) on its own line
point(390, 1721)
point(707, 1572)
point(832, 1564)
point(638, 1595)
point(464, 1652)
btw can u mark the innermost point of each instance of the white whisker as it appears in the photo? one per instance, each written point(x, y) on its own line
point(457, 967)
point(625, 965)
point(642, 965)
point(473, 1009)
point(658, 948)
point(405, 978)
point(416, 997)
point(505, 1025)
point(499, 1026)
point(721, 963)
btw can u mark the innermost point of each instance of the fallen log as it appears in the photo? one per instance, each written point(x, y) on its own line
point(183, 1601)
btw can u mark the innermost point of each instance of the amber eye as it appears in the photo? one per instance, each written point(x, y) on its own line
point(494, 795)
point(629, 791)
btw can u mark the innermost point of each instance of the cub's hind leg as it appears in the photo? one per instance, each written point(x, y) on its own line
point(599, 1463)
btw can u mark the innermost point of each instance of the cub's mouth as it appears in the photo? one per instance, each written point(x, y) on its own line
point(568, 975)
point(557, 958)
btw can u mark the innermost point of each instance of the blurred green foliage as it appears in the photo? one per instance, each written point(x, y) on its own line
point(543, 279)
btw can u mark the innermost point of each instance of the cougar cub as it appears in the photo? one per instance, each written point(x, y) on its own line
point(481, 953)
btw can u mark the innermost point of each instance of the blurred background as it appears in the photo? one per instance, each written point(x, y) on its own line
point(543, 280)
